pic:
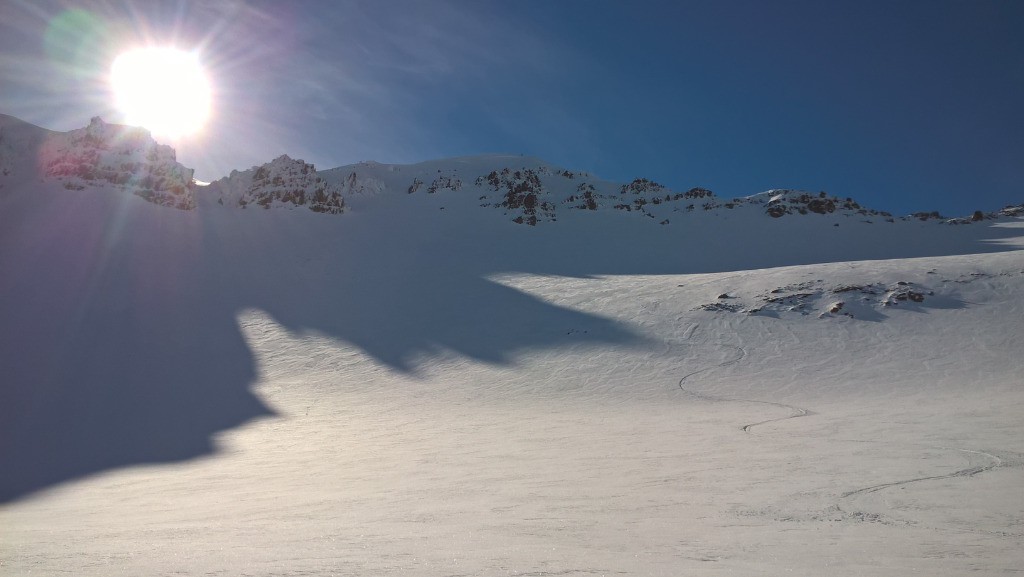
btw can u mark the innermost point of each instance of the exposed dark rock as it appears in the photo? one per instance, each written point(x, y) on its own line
point(444, 182)
point(284, 181)
point(924, 216)
point(522, 191)
point(641, 185)
point(719, 307)
point(698, 192)
point(821, 206)
point(122, 156)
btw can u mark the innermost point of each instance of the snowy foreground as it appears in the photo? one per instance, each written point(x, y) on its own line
point(225, 392)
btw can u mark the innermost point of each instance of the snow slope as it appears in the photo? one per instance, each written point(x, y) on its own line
point(419, 385)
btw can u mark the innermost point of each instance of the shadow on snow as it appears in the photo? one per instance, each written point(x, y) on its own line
point(120, 345)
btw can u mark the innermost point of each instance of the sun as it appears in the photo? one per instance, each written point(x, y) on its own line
point(164, 90)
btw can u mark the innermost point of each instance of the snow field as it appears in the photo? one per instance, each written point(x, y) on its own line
point(593, 459)
point(406, 390)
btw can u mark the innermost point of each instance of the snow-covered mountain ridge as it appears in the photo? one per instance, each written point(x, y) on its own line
point(530, 191)
point(525, 190)
point(100, 154)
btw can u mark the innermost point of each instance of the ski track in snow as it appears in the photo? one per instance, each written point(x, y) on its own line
point(968, 472)
point(741, 353)
point(994, 462)
point(797, 411)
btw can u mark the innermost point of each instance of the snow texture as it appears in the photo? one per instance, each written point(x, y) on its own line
point(422, 385)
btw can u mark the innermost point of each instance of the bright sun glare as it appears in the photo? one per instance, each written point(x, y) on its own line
point(162, 89)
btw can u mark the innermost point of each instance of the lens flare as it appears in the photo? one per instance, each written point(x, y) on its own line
point(164, 90)
point(74, 41)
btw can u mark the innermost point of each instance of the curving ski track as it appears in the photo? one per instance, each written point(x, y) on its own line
point(803, 412)
point(741, 353)
point(968, 472)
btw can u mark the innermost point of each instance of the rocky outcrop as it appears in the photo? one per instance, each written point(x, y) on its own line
point(1012, 210)
point(522, 194)
point(585, 197)
point(440, 183)
point(861, 300)
point(122, 156)
point(925, 216)
point(642, 186)
point(698, 192)
point(283, 181)
point(979, 216)
point(783, 202)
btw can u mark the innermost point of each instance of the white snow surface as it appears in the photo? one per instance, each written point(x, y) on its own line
point(420, 386)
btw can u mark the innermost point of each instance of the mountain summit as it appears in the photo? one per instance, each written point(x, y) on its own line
point(100, 154)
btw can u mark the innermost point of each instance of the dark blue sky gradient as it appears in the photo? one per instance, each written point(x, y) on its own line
point(902, 105)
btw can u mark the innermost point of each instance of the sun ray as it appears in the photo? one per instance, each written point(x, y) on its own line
point(164, 90)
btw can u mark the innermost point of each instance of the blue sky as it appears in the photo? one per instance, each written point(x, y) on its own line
point(902, 105)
